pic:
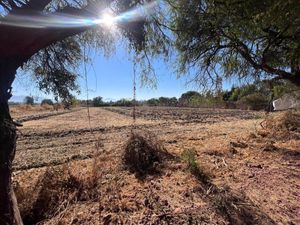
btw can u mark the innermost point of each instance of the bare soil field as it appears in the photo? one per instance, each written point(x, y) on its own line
point(226, 168)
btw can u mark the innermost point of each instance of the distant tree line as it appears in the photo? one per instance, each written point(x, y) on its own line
point(258, 95)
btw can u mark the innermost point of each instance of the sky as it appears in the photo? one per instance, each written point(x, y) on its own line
point(112, 79)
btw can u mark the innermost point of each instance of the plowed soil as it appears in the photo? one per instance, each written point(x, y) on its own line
point(242, 176)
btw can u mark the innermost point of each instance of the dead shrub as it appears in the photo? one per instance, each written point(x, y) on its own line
point(284, 121)
point(143, 152)
point(282, 125)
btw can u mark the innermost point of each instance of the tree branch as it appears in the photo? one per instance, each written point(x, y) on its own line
point(38, 5)
point(23, 42)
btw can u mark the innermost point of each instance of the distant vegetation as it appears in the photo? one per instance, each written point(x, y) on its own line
point(257, 96)
point(29, 100)
point(47, 101)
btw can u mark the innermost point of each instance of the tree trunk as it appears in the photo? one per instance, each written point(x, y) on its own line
point(9, 212)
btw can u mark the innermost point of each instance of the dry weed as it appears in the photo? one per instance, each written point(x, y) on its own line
point(143, 152)
point(56, 190)
point(284, 121)
point(284, 125)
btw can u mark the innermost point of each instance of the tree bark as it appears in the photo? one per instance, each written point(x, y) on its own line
point(9, 212)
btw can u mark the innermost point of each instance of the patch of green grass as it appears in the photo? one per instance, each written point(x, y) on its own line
point(258, 117)
point(189, 157)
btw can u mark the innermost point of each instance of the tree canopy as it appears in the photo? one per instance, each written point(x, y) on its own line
point(50, 37)
point(240, 38)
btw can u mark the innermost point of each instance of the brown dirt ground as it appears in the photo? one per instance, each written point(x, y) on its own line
point(253, 179)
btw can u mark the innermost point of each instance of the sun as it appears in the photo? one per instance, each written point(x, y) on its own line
point(108, 20)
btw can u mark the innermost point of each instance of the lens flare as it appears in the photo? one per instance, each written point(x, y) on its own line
point(59, 20)
point(108, 20)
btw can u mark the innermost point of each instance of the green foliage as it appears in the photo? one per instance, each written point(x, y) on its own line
point(123, 102)
point(255, 101)
point(164, 101)
point(97, 101)
point(73, 101)
point(195, 99)
point(189, 157)
point(281, 88)
point(54, 68)
point(247, 90)
point(47, 101)
point(279, 91)
point(235, 95)
point(243, 39)
point(238, 93)
point(189, 94)
point(227, 94)
point(29, 100)
point(257, 96)
point(186, 98)
point(153, 102)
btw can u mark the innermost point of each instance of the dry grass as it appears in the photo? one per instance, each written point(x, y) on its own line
point(283, 125)
point(210, 186)
point(47, 107)
point(24, 108)
point(21, 108)
point(289, 121)
point(56, 189)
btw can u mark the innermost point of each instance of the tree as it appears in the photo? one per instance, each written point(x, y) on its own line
point(153, 102)
point(47, 101)
point(29, 100)
point(98, 101)
point(244, 39)
point(52, 51)
point(163, 101)
point(173, 101)
point(185, 98)
point(255, 101)
point(124, 102)
point(227, 94)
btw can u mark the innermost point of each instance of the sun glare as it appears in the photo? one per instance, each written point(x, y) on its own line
point(108, 20)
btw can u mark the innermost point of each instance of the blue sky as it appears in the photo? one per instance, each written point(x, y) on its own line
point(112, 78)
